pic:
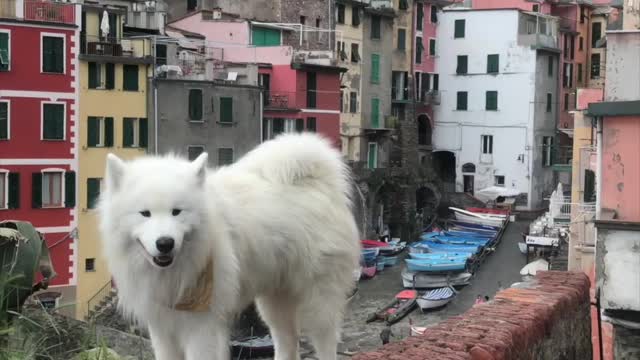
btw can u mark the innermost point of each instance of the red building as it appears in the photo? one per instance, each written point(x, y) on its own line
point(38, 106)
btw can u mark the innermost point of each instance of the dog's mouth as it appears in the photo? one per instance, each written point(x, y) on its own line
point(163, 260)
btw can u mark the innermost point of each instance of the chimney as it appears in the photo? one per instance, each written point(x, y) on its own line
point(217, 13)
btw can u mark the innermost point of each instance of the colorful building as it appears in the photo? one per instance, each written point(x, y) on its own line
point(112, 119)
point(39, 41)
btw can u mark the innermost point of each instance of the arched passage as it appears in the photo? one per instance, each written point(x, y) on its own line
point(444, 163)
point(424, 130)
point(386, 210)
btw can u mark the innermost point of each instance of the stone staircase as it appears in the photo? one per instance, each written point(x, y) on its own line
point(105, 299)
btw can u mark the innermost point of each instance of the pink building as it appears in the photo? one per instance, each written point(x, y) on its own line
point(301, 88)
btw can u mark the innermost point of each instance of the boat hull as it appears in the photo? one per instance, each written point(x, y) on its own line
point(420, 280)
point(425, 304)
point(445, 265)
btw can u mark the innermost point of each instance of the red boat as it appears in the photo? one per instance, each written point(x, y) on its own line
point(487, 211)
point(368, 244)
point(402, 304)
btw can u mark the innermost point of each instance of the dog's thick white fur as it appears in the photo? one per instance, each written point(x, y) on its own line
point(278, 225)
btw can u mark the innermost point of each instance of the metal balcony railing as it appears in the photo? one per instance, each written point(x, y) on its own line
point(43, 11)
point(112, 46)
point(563, 208)
point(431, 97)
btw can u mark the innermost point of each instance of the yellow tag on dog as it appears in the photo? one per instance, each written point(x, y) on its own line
point(198, 298)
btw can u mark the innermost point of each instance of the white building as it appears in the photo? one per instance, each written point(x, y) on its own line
point(499, 86)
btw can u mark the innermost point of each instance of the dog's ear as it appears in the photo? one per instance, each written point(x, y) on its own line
point(115, 171)
point(200, 166)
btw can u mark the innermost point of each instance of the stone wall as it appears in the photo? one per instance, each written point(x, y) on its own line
point(546, 318)
point(626, 343)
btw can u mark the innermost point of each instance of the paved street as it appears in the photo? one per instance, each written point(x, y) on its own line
point(502, 266)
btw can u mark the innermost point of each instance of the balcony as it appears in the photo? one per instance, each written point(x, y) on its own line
point(115, 49)
point(40, 11)
point(538, 31)
point(389, 124)
point(431, 97)
point(562, 208)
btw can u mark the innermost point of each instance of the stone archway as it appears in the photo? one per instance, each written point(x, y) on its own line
point(444, 163)
point(386, 209)
point(427, 202)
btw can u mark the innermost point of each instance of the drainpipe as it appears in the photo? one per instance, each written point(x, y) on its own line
point(155, 99)
point(599, 167)
point(260, 139)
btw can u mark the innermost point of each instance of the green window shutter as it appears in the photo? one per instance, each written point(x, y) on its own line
point(52, 54)
point(257, 36)
point(58, 55)
point(491, 100)
point(108, 132)
point(4, 52)
point(462, 64)
point(46, 54)
point(69, 189)
point(110, 78)
point(402, 39)
point(493, 63)
point(4, 120)
point(432, 47)
point(375, 113)
point(265, 37)
point(226, 109)
point(14, 191)
point(93, 192)
point(53, 122)
point(225, 156)
point(375, 68)
point(459, 28)
point(36, 190)
point(375, 26)
point(93, 75)
point(372, 156)
point(419, 48)
point(299, 125)
point(127, 136)
point(93, 131)
point(144, 132)
point(436, 82)
point(461, 100)
point(420, 16)
point(130, 81)
point(195, 104)
point(311, 124)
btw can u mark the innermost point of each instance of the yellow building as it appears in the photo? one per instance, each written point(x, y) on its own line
point(350, 33)
point(113, 119)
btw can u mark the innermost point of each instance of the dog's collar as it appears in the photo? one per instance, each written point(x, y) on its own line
point(198, 297)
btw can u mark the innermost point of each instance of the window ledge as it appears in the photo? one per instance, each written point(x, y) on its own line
point(51, 73)
point(226, 123)
point(52, 207)
point(56, 140)
point(197, 121)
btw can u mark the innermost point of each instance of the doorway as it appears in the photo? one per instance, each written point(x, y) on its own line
point(468, 183)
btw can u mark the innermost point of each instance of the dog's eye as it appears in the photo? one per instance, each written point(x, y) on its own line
point(145, 213)
point(176, 212)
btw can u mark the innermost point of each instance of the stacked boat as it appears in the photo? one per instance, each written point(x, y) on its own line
point(445, 257)
point(376, 255)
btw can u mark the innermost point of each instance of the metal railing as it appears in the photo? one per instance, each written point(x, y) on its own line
point(112, 46)
point(97, 298)
point(564, 208)
point(303, 99)
point(44, 11)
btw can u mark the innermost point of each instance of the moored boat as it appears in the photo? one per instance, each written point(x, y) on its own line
point(430, 256)
point(436, 298)
point(478, 210)
point(421, 280)
point(437, 265)
point(466, 226)
point(402, 304)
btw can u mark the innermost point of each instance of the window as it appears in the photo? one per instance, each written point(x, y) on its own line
point(580, 73)
point(340, 13)
point(565, 78)
point(53, 54)
point(462, 64)
point(130, 78)
point(434, 14)
point(403, 5)
point(135, 133)
point(195, 104)
point(101, 76)
point(458, 32)
point(93, 192)
point(355, 53)
point(566, 102)
point(572, 44)
point(487, 144)
point(461, 103)
point(419, 49)
point(581, 43)
point(47, 188)
point(402, 39)
point(535, 8)
point(549, 98)
point(419, 16)
point(191, 5)
point(355, 16)
point(264, 81)
point(399, 85)
point(5, 51)
point(375, 68)
point(432, 47)
point(99, 131)
point(498, 180)
point(341, 52)
point(582, 15)
point(491, 100)
point(299, 125)
point(436, 80)
point(226, 110)
point(9, 190)
point(375, 27)
point(265, 37)
point(312, 87)
point(193, 151)
point(311, 124)
point(596, 33)
point(225, 156)
point(550, 66)
point(353, 102)
point(372, 155)
point(595, 66)
point(425, 84)
point(417, 78)
point(493, 64)
point(547, 151)
point(375, 113)
point(4, 120)
point(90, 265)
point(53, 121)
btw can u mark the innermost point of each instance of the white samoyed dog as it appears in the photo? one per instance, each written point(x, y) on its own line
point(191, 247)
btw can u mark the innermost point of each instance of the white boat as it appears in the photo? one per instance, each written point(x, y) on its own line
point(522, 246)
point(436, 298)
point(469, 217)
point(417, 330)
point(533, 267)
point(479, 214)
point(420, 280)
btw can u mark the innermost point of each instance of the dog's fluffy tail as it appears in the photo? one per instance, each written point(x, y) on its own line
point(295, 159)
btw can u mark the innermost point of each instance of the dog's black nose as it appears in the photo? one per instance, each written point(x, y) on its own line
point(165, 244)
